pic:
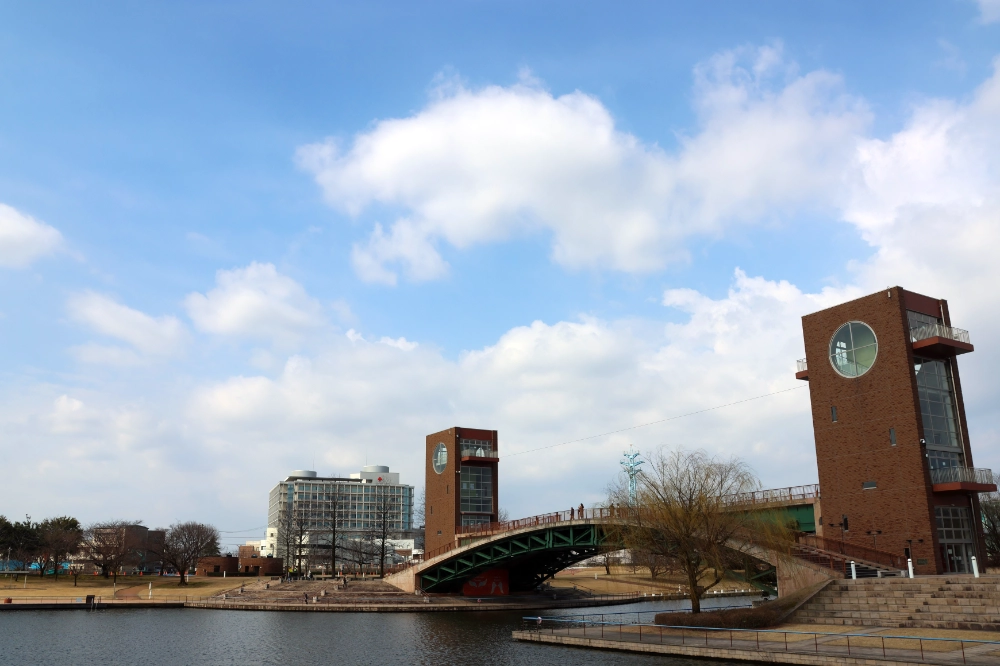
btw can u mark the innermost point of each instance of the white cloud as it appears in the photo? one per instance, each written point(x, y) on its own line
point(150, 336)
point(477, 166)
point(539, 385)
point(928, 202)
point(24, 239)
point(989, 10)
point(255, 302)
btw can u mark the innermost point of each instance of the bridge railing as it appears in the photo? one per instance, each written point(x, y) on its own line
point(775, 495)
point(758, 498)
point(486, 529)
point(534, 521)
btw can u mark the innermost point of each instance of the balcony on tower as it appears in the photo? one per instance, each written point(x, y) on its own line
point(802, 369)
point(939, 341)
point(477, 449)
point(949, 479)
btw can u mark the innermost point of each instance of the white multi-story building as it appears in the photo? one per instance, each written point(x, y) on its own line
point(354, 501)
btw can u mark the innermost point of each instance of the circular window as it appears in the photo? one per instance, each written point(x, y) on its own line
point(853, 349)
point(440, 459)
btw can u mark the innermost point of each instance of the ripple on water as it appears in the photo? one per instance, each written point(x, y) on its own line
point(192, 636)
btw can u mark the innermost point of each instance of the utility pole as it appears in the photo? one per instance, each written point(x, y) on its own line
point(631, 464)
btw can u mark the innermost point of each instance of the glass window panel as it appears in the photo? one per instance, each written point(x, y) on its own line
point(853, 349)
point(865, 357)
point(862, 335)
point(841, 340)
point(843, 361)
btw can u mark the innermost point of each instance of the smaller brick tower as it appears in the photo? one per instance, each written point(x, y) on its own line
point(461, 483)
point(892, 444)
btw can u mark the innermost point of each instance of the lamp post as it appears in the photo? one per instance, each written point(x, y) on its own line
point(874, 535)
point(843, 525)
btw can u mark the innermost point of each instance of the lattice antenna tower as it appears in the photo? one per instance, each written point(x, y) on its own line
point(631, 463)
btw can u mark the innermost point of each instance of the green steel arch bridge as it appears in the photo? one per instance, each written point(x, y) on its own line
point(532, 550)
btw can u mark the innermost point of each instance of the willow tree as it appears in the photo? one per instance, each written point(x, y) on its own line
point(688, 512)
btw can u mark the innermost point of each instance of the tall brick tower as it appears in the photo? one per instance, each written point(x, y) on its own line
point(892, 445)
point(461, 483)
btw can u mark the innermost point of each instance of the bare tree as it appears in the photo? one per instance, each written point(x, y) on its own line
point(111, 544)
point(336, 507)
point(302, 523)
point(989, 506)
point(606, 559)
point(419, 510)
point(286, 536)
point(685, 513)
point(359, 549)
point(386, 512)
point(185, 543)
point(656, 564)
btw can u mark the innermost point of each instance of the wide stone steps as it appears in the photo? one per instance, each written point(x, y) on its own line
point(944, 603)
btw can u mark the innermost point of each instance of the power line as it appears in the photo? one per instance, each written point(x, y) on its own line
point(643, 425)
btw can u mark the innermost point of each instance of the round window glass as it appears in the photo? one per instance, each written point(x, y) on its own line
point(853, 349)
point(440, 459)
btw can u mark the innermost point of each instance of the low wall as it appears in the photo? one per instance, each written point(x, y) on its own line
point(795, 574)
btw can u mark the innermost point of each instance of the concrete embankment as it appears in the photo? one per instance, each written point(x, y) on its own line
point(435, 605)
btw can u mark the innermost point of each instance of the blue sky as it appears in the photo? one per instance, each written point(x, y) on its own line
point(238, 237)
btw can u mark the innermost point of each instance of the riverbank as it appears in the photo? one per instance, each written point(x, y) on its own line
point(361, 596)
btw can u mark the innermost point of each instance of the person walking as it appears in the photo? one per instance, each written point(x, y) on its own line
point(580, 511)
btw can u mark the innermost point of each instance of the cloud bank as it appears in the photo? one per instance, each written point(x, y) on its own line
point(479, 166)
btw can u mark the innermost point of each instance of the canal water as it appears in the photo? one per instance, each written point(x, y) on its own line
point(195, 636)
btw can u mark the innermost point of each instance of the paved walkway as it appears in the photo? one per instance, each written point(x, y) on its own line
point(785, 645)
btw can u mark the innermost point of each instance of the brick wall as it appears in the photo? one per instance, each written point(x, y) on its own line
point(440, 491)
point(442, 509)
point(857, 449)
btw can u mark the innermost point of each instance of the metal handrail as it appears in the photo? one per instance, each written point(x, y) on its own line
point(801, 365)
point(925, 331)
point(101, 599)
point(478, 452)
point(763, 640)
point(775, 495)
point(962, 475)
point(853, 550)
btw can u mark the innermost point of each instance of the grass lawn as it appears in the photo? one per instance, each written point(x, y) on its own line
point(127, 586)
point(622, 580)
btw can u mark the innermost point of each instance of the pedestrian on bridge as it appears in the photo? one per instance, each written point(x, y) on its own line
point(571, 513)
point(580, 512)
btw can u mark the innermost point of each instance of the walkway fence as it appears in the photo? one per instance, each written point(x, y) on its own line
point(860, 645)
point(775, 495)
point(853, 551)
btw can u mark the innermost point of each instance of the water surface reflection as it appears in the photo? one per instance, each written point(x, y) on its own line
point(190, 636)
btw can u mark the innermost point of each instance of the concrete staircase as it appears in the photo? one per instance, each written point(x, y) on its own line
point(942, 602)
